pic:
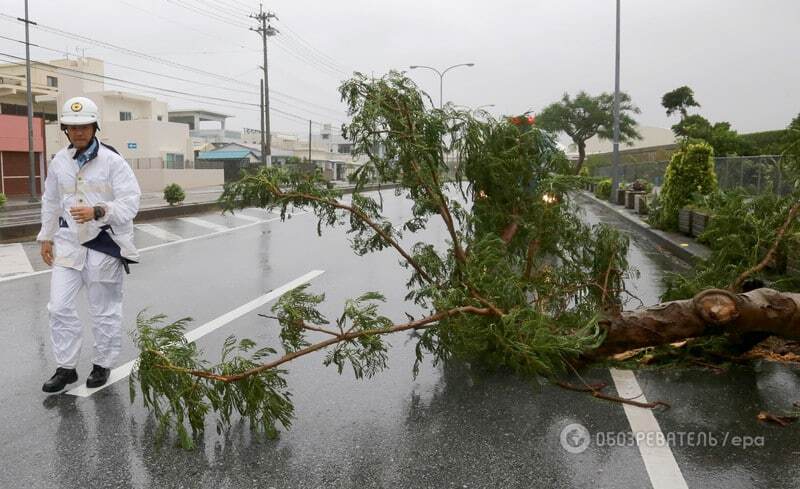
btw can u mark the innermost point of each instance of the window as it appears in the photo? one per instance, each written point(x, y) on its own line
point(125, 116)
point(52, 81)
point(173, 161)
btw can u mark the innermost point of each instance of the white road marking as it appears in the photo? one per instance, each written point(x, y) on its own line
point(14, 260)
point(171, 243)
point(123, 371)
point(158, 232)
point(205, 224)
point(247, 218)
point(658, 457)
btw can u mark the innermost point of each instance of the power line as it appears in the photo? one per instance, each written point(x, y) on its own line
point(171, 20)
point(153, 89)
point(311, 47)
point(196, 82)
point(207, 13)
point(129, 52)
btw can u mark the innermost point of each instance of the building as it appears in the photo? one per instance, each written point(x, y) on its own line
point(14, 159)
point(137, 126)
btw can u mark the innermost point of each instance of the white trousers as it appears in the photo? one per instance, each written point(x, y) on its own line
point(102, 276)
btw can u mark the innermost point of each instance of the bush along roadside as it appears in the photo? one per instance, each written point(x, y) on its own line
point(690, 173)
point(174, 194)
point(741, 235)
point(3, 200)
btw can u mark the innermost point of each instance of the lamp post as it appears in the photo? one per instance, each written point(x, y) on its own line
point(441, 76)
point(615, 154)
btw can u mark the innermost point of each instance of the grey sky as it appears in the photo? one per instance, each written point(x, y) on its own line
point(740, 57)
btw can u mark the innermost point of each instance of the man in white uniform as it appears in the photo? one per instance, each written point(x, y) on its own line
point(90, 199)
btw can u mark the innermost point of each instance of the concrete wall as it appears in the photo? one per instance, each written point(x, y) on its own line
point(156, 180)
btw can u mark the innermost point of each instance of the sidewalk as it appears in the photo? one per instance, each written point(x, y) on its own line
point(684, 247)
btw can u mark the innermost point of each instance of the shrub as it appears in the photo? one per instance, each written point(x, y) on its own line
point(173, 194)
point(603, 190)
point(2, 200)
point(689, 173)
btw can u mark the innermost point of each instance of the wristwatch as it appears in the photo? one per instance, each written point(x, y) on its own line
point(99, 212)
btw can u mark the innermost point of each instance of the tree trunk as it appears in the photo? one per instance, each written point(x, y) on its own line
point(581, 156)
point(711, 312)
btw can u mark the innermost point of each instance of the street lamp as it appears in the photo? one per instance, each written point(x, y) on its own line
point(615, 153)
point(441, 75)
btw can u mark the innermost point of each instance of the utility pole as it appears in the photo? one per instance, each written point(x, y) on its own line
point(265, 30)
point(263, 144)
point(31, 158)
point(309, 141)
point(615, 154)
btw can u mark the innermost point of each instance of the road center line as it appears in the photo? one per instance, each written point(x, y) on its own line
point(124, 370)
point(659, 460)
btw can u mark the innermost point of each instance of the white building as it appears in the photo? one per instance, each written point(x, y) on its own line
point(138, 127)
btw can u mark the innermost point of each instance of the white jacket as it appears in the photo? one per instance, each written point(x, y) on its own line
point(106, 180)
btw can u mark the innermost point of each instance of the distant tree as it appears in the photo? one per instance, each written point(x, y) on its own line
point(679, 100)
point(720, 136)
point(586, 116)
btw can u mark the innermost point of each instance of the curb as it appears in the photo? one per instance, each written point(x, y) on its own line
point(28, 230)
point(659, 237)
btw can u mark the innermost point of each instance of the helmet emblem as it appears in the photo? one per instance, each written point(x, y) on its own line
point(76, 107)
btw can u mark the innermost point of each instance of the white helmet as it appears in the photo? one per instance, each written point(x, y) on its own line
point(78, 111)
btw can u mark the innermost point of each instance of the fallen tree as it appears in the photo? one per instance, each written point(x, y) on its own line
point(521, 284)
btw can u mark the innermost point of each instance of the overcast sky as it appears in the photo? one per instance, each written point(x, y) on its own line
point(739, 56)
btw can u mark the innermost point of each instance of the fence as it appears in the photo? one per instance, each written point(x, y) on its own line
point(754, 174)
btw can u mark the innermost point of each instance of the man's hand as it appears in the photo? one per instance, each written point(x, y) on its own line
point(82, 214)
point(47, 252)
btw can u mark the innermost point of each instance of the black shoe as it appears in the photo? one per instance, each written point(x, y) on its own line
point(62, 377)
point(98, 377)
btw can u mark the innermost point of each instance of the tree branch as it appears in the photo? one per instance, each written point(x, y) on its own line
point(358, 213)
point(418, 324)
point(768, 258)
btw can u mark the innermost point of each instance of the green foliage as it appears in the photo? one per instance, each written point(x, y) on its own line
point(765, 143)
point(742, 230)
point(679, 100)
point(177, 398)
point(586, 116)
point(3, 200)
point(720, 136)
point(173, 194)
point(690, 172)
point(518, 286)
point(603, 189)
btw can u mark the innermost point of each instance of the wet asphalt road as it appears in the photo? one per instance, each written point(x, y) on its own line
point(449, 427)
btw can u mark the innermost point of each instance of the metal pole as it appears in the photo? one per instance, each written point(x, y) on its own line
point(268, 135)
point(615, 157)
point(441, 83)
point(263, 144)
point(31, 159)
point(309, 141)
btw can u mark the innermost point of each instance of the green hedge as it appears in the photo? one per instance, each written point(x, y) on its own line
point(689, 173)
point(2, 200)
point(173, 194)
point(603, 189)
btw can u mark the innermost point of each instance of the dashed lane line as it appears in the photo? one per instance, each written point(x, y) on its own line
point(123, 371)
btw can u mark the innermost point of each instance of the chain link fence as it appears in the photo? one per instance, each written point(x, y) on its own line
point(753, 174)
